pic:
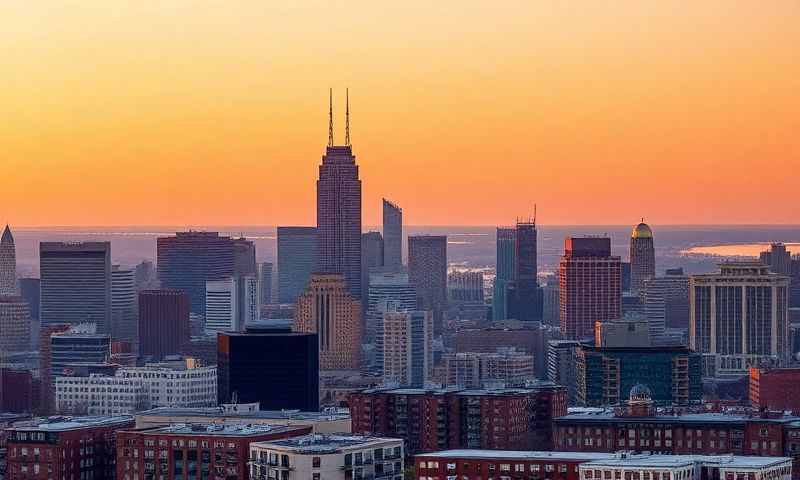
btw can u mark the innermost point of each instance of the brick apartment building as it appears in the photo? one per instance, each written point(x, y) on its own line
point(469, 464)
point(775, 389)
point(64, 447)
point(183, 451)
point(431, 420)
point(640, 428)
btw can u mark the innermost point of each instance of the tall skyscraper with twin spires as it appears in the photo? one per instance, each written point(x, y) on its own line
point(339, 210)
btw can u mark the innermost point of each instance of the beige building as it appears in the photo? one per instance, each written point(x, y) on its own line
point(739, 318)
point(476, 370)
point(327, 457)
point(626, 332)
point(408, 347)
point(15, 325)
point(326, 308)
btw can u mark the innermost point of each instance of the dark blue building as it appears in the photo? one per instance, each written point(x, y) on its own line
point(271, 365)
point(606, 375)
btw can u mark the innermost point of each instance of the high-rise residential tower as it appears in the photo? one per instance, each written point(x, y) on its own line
point(297, 259)
point(8, 264)
point(407, 348)
point(589, 286)
point(739, 318)
point(392, 236)
point(386, 291)
point(339, 211)
point(427, 270)
point(327, 309)
point(188, 260)
point(524, 297)
point(643, 257)
point(76, 283)
point(506, 248)
point(124, 306)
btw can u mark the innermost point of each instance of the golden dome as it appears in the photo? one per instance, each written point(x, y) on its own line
point(642, 231)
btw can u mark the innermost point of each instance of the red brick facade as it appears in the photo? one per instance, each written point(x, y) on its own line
point(509, 419)
point(62, 449)
point(521, 465)
point(160, 453)
point(775, 389)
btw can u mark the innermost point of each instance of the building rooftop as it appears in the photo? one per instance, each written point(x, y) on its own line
point(672, 461)
point(608, 415)
point(517, 455)
point(297, 415)
point(219, 430)
point(63, 424)
point(530, 387)
point(323, 443)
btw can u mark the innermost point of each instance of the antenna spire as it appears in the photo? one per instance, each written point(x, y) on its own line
point(534, 214)
point(330, 117)
point(347, 117)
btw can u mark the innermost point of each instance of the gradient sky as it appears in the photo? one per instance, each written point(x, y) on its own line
point(214, 112)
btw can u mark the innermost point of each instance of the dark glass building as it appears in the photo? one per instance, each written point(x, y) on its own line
point(163, 322)
point(271, 365)
point(606, 375)
point(427, 270)
point(524, 297)
point(190, 259)
point(297, 258)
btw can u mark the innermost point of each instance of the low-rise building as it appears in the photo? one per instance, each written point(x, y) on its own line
point(473, 464)
point(65, 447)
point(132, 389)
point(687, 467)
point(327, 457)
point(524, 464)
point(184, 451)
point(330, 420)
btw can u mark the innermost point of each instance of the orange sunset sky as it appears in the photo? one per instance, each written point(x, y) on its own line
point(214, 112)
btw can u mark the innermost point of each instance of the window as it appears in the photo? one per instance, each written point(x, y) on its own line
point(315, 462)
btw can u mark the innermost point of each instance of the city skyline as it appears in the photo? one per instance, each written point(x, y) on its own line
point(157, 123)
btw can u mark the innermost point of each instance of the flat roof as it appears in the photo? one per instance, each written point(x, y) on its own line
point(324, 443)
point(672, 461)
point(260, 414)
point(63, 424)
point(462, 391)
point(607, 416)
point(516, 455)
point(227, 430)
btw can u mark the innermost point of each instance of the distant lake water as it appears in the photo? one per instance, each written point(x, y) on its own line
point(739, 250)
point(695, 248)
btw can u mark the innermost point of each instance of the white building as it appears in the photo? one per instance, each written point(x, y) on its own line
point(176, 387)
point(231, 303)
point(327, 457)
point(133, 389)
point(687, 467)
point(101, 395)
point(124, 306)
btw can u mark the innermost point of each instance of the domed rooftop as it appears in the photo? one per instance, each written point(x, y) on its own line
point(640, 393)
point(642, 231)
point(7, 237)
